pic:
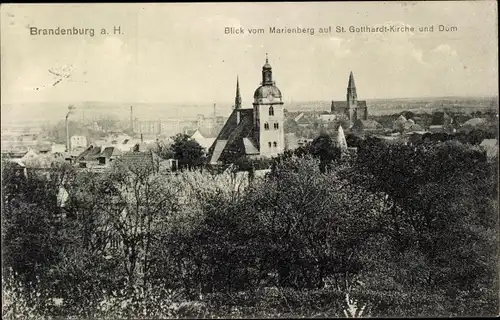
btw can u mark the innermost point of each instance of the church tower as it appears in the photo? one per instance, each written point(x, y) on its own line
point(352, 100)
point(268, 115)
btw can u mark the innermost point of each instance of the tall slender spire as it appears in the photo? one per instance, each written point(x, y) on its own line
point(237, 99)
point(351, 84)
point(351, 90)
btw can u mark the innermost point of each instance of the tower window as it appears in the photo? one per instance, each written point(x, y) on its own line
point(266, 126)
point(276, 126)
point(271, 111)
point(275, 144)
point(269, 143)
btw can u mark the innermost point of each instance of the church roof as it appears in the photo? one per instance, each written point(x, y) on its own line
point(267, 92)
point(236, 138)
point(342, 105)
point(367, 125)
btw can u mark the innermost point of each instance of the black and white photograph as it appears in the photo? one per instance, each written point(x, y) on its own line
point(249, 160)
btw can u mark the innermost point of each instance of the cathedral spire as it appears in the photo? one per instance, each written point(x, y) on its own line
point(351, 90)
point(237, 99)
point(351, 84)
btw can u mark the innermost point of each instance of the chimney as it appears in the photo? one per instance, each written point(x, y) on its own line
point(142, 140)
point(237, 116)
point(131, 119)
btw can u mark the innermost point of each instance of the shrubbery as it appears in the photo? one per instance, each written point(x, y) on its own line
point(404, 230)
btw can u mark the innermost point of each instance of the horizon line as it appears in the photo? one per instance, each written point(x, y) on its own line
point(231, 102)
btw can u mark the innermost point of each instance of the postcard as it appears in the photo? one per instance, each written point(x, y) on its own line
point(220, 160)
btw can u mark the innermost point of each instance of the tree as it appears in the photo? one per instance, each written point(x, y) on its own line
point(443, 204)
point(325, 149)
point(187, 151)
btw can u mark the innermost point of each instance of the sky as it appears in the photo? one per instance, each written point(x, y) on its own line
point(179, 53)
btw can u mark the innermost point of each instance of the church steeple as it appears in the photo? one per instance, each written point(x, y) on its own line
point(267, 74)
point(351, 90)
point(237, 99)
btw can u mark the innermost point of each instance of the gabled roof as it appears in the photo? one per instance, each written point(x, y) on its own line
point(340, 105)
point(217, 150)
point(135, 159)
point(299, 116)
point(92, 153)
point(205, 133)
point(303, 120)
point(109, 152)
point(234, 138)
point(367, 125)
point(89, 154)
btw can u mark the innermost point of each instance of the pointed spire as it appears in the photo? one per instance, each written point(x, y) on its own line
point(351, 84)
point(341, 141)
point(237, 99)
point(267, 61)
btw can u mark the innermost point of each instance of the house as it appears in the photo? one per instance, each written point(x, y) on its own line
point(97, 157)
point(204, 137)
point(327, 117)
point(168, 165)
point(302, 121)
point(78, 142)
point(145, 161)
point(126, 144)
point(401, 124)
point(367, 126)
point(440, 122)
point(58, 148)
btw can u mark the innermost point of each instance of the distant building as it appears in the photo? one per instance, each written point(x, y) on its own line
point(204, 138)
point(78, 142)
point(440, 122)
point(141, 160)
point(58, 148)
point(328, 117)
point(96, 157)
point(302, 121)
point(351, 109)
point(371, 126)
point(254, 132)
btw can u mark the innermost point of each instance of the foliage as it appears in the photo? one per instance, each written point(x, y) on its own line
point(404, 230)
point(187, 151)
